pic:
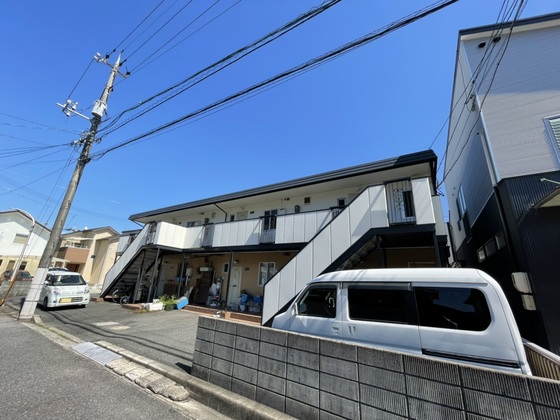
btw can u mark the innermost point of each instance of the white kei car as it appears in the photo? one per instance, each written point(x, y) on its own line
point(64, 288)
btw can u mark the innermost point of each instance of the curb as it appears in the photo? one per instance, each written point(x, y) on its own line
point(236, 406)
point(212, 396)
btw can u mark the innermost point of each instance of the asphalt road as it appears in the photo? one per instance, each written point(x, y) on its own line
point(165, 336)
point(41, 379)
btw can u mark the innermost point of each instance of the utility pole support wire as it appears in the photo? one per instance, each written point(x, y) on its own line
point(53, 244)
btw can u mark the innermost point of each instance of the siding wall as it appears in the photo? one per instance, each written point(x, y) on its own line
point(523, 91)
point(308, 377)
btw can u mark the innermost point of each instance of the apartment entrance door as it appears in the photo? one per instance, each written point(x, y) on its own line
point(234, 288)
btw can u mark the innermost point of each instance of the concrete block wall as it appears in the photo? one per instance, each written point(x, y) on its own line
point(312, 378)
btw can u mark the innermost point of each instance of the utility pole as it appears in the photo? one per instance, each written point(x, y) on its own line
point(99, 108)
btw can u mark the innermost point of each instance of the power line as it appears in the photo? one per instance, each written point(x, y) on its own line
point(150, 60)
point(498, 60)
point(294, 71)
point(218, 66)
point(137, 26)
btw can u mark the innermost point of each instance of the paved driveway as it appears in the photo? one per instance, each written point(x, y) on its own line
point(165, 336)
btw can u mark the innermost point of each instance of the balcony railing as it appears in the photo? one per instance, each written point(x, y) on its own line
point(402, 202)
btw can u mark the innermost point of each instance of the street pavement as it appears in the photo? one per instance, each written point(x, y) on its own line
point(165, 336)
point(154, 343)
point(42, 378)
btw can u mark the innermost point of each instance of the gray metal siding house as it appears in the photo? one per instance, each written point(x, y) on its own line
point(503, 140)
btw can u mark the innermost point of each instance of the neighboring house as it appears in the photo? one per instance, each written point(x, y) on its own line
point(14, 235)
point(502, 166)
point(380, 214)
point(90, 252)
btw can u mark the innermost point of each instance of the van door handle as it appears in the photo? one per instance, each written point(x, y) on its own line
point(352, 329)
point(336, 328)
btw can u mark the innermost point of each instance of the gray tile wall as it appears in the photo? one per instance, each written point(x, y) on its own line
point(311, 378)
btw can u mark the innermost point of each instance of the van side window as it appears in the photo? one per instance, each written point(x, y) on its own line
point(453, 308)
point(319, 301)
point(378, 303)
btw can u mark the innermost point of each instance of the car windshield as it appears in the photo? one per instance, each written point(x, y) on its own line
point(68, 280)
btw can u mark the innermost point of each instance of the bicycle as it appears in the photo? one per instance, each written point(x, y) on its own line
point(122, 296)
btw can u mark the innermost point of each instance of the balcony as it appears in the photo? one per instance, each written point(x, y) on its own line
point(397, 203)
point(73, 255)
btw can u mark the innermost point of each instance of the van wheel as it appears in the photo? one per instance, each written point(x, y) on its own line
point(45, 304)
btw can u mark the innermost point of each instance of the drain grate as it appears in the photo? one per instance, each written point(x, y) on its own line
point(96, 353)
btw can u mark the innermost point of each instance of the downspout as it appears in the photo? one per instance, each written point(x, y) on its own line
point(229, 275)
point(225, 214)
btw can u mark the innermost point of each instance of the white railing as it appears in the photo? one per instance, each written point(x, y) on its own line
point(143, 238)
point(300, 227)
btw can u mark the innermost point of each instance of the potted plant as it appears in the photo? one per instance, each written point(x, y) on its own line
point(168, 302)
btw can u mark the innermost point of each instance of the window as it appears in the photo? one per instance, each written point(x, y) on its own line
point(381, 303)
point(400, 202)
point(319, 301)
point(20, 239)
point(307, 200)
point(553, 126)
point(462, 212)
point(266, 271)
point(191, 224)
point(452, 308)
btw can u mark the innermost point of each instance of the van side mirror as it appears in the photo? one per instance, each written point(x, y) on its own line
point(302, 308)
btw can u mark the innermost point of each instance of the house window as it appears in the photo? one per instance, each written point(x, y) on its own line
point(307, 200)
point(20, 239)
point(400, 202)
point(553, 126)
point(462, 212)
point(266, 271)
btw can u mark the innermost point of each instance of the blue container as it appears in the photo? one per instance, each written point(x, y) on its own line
point(181, 303)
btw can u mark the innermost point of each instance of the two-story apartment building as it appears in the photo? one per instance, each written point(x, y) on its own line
point(502, 169)
point(90, 252)
point(273, 239)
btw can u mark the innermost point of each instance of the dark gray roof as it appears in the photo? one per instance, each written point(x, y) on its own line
point(427, 156)
point(520, 22)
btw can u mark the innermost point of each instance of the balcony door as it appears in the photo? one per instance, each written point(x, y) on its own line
point(268, 234)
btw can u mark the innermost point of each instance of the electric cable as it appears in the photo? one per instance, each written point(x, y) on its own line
point(138, 26)
point(159, 29)
point(221, 64)
point(499, 27)
point(298, 69)
point(151, 59)
point(499, 58)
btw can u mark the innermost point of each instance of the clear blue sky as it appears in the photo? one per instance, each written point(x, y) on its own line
point(386, 98)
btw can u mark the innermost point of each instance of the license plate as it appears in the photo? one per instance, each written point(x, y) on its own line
point(65, 300)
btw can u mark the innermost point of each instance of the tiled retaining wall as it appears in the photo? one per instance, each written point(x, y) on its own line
point(312, 378)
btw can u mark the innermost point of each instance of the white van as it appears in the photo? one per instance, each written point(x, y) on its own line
point(64, 288)
point(456, 314)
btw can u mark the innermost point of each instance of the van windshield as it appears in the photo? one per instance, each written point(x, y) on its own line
point(68, 280)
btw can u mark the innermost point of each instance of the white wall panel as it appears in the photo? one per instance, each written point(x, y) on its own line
point(299, 228)
point(359, 217)
point(321, 251)
point(340, 234)
point(422, 197)
point(378, 206)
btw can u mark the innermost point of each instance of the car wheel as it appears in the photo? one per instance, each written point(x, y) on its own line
point(45, 304)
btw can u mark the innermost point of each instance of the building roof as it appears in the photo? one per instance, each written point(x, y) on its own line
point(427, 158)
point(26, 216)
point(519, 23)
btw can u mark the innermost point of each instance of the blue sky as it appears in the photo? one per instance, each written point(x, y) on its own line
point(386, 98)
